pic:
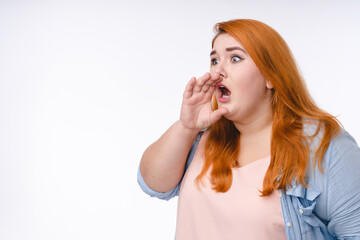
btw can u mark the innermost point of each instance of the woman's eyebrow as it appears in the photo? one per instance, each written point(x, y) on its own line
point(229, 50)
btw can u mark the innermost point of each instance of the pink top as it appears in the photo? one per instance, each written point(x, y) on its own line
point(240, 213)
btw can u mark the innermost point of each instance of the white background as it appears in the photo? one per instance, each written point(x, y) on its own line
point(86, 86)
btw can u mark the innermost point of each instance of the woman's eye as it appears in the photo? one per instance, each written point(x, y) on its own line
point(236, 58)
point(214, 61)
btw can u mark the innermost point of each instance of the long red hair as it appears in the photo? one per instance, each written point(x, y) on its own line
point(292, 107)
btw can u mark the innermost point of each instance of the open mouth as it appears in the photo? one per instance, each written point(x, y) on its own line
point(223, 91)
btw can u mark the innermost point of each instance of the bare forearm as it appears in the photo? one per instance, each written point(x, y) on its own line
point(163, 162)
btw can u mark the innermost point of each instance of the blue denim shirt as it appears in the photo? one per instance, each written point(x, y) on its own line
point(329, 208)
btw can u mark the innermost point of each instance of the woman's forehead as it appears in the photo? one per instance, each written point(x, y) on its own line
point(225, 39)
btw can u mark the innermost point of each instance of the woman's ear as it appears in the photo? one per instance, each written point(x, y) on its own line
point(269, 85)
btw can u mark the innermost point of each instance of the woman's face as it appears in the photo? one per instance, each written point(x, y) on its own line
point(244, 92)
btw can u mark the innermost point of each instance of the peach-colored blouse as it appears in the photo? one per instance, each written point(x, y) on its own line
point(240, 213)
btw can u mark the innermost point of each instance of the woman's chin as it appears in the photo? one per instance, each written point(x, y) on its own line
point(233, 116)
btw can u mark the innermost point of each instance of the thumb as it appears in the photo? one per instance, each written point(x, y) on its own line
point(217, 114)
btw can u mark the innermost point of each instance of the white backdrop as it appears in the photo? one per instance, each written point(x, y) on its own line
point(86, 86)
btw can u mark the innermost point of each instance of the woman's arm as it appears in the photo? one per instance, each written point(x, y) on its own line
point(344, 188)
point(163, 162)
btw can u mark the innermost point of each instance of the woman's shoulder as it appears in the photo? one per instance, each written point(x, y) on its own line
point(342, 156)
point(340, 140)
point(342, 149)
point(344, 145)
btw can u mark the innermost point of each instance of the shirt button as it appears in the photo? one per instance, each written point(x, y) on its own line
point(301, 211)
point(288, 224)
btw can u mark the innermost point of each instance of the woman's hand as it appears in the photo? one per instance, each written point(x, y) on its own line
point(196, 112)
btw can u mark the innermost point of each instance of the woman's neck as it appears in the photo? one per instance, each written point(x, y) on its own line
point(258, 128)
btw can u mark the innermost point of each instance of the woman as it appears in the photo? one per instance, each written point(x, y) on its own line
point(266, 162)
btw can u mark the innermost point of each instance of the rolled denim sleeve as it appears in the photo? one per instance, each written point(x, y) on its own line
point(175, 191)
point(161, 195)
point(344, 188)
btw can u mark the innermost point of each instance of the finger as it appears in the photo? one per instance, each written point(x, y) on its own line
point(214, 78)
point(201, 81)
point(211, 83)
point(217, 114)
point(207, 83)
point(205, 88)
point(189, 88)
point(210, 92)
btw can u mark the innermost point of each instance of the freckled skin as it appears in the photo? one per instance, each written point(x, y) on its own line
point(250, 91)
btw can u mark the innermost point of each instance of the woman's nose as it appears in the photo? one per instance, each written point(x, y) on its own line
point(220, 71)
